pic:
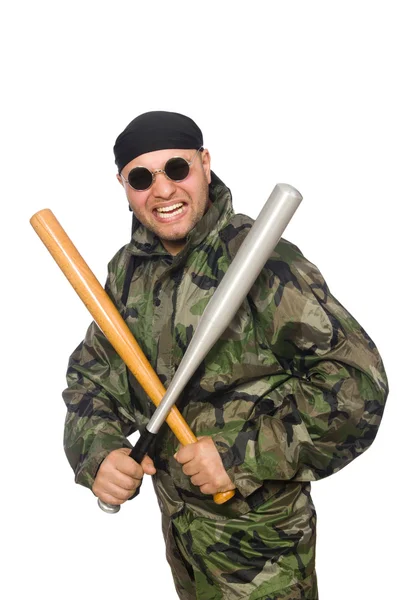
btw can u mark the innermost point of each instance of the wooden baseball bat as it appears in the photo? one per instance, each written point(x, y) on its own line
point(110, 321)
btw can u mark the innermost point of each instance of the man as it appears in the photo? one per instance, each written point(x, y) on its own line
point(292, 392)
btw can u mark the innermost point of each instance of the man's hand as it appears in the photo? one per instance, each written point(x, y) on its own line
point(119, 476)
point(202, 463)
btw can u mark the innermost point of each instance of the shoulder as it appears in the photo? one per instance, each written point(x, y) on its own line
point(287, 265)
point(234, 233)
point(287, 257)
point(238, 227)
point(118, 266)
point(120, 259)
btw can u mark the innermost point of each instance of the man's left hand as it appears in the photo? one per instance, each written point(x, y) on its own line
point(202, 463)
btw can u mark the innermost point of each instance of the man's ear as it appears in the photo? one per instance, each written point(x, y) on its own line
point(122, 183)
point(206, 162)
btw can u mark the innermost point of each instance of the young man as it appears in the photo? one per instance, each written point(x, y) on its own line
point(292, 392)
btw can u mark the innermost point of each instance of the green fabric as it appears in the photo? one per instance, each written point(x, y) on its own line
point(291, 393)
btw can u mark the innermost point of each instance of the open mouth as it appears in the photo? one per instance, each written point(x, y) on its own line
point(166, 213)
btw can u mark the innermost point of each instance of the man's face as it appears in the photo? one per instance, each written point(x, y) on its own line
point(187, 199)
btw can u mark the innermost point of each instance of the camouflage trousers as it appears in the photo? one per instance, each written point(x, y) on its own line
point(267, 554)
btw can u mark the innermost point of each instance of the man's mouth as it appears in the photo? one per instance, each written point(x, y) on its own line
point(167, 212)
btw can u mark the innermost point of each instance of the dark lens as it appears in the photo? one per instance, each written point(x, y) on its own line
point(140, 178)
point(177, 169)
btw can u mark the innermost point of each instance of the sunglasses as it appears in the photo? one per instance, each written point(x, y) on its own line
point(175, 169)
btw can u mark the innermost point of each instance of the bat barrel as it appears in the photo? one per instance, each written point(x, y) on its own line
point(91, 292)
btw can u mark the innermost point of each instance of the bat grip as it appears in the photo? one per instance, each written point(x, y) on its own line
point(143, 446)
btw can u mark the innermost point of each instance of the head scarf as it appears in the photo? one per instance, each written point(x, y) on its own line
point(156, 130)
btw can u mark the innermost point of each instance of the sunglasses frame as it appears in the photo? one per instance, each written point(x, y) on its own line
point(156, 171)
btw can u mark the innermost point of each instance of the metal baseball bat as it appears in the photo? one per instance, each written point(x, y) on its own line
point(227, 299)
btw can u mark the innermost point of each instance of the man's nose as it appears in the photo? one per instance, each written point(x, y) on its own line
point(162, 187)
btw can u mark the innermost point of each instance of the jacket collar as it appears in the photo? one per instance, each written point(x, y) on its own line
point(145, 243)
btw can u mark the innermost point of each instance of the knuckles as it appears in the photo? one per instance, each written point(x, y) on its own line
point(201, 461)
point(125, 494)
point(207, 488)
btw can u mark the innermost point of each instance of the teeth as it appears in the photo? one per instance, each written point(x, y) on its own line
point(169, 216)
point(169, 208)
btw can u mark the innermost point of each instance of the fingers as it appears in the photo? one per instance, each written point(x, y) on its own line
point(199, 479)
point(125, 482)
point(186, 453)
point(191, 468)
point(209, 488)
point(110, 492)
point(113, 494)
point(201, 462)
point(119, 476)
point(148, 465)
point(127, 465)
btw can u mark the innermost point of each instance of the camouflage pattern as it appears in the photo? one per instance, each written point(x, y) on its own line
point(291, 393)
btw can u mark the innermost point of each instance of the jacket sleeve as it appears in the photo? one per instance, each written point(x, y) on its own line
point(327, 409)
point(97, 421)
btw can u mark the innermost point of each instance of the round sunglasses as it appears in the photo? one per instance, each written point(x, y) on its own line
point(175, 169)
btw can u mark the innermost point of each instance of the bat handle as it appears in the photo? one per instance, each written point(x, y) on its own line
point(143, 446)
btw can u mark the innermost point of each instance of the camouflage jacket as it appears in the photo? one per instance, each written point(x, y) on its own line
point(292, 391)
point(294, 388)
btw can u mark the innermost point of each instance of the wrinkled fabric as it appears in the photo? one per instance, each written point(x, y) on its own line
point(292, 392)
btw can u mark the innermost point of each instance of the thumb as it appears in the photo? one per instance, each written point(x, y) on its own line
point(123, 451)
point(148, 465)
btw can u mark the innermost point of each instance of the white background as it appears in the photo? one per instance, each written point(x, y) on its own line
point(287, 91)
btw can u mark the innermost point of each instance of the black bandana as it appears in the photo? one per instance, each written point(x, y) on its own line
point(157, 130)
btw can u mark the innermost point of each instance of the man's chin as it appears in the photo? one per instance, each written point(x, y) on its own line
point(170, 234)
point(172, 238)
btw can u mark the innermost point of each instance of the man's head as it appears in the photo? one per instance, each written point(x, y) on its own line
point(168, 196)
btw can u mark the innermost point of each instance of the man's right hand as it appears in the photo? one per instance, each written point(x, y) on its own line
point(119, 476)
